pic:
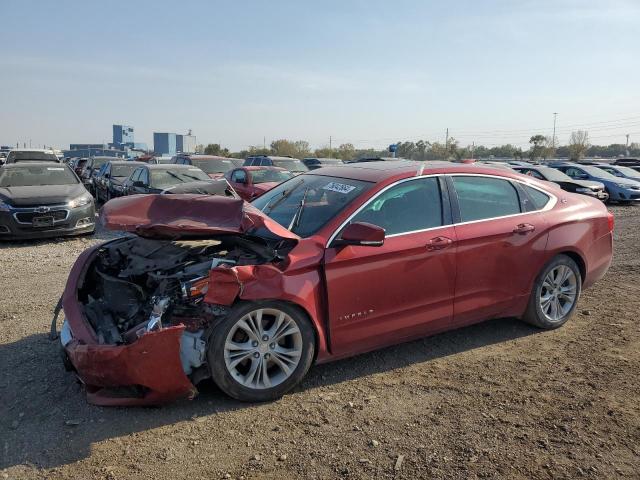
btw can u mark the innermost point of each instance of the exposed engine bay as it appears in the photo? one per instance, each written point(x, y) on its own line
point(137, 285)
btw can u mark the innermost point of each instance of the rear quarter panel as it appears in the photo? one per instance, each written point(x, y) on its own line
point(579, 224)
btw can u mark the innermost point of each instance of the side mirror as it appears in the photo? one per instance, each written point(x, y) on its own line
point(107, 175)
point(138, 183)
point(362, 234)
point(242, 180)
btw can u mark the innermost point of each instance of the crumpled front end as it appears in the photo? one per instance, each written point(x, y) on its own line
point(137, 319)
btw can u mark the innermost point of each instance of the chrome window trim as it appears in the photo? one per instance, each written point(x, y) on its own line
point(372, 199)
point(553, 200)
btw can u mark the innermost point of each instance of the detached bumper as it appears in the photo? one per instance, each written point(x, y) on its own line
point(146, 372)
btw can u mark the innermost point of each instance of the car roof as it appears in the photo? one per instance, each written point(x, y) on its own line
point(204, 157)
point(125, 162)
point(382, 170)
point(262, 167)
point(41, 150)
point(165, 166)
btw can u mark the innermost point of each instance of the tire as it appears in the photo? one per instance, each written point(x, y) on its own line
point(231, 368)
point(549, 314)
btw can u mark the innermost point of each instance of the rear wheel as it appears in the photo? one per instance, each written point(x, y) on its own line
point(555, 294)
point(261, 350)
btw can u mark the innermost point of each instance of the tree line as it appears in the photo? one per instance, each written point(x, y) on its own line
point(541, 147)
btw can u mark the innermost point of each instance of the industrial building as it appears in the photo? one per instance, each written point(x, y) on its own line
point(165, 143)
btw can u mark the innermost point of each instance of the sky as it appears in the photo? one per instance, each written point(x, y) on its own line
point(365, 72)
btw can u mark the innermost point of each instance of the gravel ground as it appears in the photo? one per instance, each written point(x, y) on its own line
point(499, 400)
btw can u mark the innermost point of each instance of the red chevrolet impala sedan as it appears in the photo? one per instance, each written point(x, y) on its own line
point(328, 264)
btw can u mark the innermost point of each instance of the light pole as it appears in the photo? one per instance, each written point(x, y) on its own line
point(553, 142)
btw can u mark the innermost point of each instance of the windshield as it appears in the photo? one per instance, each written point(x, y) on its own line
point(122, 170)
point(264, 176)
point(626, 171)
point(322, 197)
point(554, 175)
point(36, 175)
point(597, 172)
point(165, 178)
point(33, 156)
point(98, 162)
point(293, 164)
point(213, 165)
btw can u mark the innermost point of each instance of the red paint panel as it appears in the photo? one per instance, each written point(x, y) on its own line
point(153, 361)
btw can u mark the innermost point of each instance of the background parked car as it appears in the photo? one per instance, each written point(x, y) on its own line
point(584, 187)
point(619, 189)
point(108, 182)
point(150, 178)
point(212, 165)
point(90, 170)
point(293, 165)
point(621, 171)
point(251, 182)
point(78, 165)
point(43, 199)
point(31, 155)
point(629, 162)
point(313, 163)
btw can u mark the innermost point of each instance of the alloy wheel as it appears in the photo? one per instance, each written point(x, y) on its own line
point(558, 293)
point(263, 348)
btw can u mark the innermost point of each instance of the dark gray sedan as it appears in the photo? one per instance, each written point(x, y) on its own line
point(43, 199)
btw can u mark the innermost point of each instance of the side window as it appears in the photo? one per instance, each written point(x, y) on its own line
point(538, 198)
point(144, 176)
point(575, 173)
point(135, 176)
point(533, 173)
point(239, 176)
point(485, 197)
point(407, 207)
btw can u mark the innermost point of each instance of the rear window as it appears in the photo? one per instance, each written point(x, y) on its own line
point(213, 165)
point(292, 165)
point(265, 176)
point(36, 176)
point(122, 170)
point(31, 156)
point(484, 197)
point(170, 177)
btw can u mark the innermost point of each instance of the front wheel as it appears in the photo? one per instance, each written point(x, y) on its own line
point(261, 350)
point(555, 294)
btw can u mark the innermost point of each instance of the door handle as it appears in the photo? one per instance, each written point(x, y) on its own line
point(524, 228)
point(438, 243)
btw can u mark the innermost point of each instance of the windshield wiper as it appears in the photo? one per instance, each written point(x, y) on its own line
point(175, 176)
point(191, 176)
point(295, 221)
point(285, 194)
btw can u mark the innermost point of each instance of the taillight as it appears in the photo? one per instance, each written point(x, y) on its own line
point(611, 220)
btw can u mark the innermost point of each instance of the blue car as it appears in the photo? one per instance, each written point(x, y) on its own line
point(620, 189)
point(621, 171)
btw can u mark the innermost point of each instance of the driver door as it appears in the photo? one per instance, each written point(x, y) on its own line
point(403, 289)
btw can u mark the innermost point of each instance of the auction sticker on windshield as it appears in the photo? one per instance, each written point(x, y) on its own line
point(339, 187)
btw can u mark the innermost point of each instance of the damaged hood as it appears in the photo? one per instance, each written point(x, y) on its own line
point(188, 215)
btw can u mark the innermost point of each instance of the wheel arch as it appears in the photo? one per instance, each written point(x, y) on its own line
point(576, 257)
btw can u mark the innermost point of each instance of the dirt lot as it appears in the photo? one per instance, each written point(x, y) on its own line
point(499, 400)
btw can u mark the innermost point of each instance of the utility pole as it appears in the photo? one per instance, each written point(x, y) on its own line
point(446, 141)
point(627, 146)
point(264, 143)
point(331, 151)
point(553, 141)
point(473, 147)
